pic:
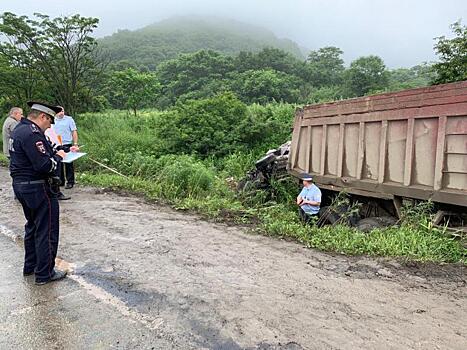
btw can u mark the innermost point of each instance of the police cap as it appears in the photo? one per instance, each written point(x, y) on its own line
point(306, 177)
point(45, 108)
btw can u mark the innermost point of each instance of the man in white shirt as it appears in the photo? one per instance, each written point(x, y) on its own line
point(65, 128)
point(309, 199)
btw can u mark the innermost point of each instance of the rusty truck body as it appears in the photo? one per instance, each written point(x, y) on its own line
point(406, 144)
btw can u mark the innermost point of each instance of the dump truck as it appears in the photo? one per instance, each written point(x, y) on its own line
point(387, 148)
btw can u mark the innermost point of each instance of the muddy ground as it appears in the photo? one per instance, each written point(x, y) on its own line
point(146, 276)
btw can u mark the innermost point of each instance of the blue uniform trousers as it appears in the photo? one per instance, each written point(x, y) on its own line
point(41, 210)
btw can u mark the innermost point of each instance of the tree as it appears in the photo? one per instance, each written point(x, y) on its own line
point(61, 50)
point(325, 67)
point(193, 72)
point(132, 89)
point(262, 86)
point(453, 56)
point(20, 83)
point(408, 78)
point(205, 127)
point(268, 58)
point(365, 75)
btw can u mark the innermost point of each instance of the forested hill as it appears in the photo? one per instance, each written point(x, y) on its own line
point(149, 46)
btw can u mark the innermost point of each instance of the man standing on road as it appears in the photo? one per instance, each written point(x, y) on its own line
point(33, 163)
point(10, 123)
point(65, 128)
point(309, 199)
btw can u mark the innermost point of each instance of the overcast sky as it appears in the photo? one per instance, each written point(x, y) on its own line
point(399, 31)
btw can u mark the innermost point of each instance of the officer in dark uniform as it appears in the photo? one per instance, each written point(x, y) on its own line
point(33, 166)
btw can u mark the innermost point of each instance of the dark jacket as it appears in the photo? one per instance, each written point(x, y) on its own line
point(31, 155)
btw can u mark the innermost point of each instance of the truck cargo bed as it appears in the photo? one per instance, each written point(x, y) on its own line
point(411, 143)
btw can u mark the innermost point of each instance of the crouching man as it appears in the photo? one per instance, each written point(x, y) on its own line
point(309, 199)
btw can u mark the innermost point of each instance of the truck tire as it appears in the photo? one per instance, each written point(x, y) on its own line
point(368, 224)
point(331, 216)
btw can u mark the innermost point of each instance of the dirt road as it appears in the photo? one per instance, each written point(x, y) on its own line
point(148, 276)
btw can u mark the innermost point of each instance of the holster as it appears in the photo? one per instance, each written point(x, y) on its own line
point(54, 184)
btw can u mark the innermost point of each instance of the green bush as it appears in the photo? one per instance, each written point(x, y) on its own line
point(183, 176)
point(207, 127)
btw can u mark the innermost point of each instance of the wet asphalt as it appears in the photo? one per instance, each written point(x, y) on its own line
point(61, 315)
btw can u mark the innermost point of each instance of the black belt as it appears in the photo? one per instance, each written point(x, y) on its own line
point(33, 182)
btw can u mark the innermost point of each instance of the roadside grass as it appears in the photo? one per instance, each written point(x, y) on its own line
point(3, 160)
point(409, 241)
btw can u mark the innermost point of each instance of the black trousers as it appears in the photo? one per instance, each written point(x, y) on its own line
point(41, 209)
point(306, 218)
point(67, 170)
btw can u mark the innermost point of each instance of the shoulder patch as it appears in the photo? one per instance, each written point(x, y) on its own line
point(40, 147)
point(34, 128)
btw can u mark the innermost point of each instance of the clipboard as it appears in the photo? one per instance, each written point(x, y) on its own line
point(72, 156)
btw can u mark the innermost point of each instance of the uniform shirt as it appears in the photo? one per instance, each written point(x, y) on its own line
point(64, 127)
point(31, 155)
point(8, 126)
point(311, 193)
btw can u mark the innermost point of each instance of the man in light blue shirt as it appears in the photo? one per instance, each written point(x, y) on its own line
point(309, 198)
point(66, 130)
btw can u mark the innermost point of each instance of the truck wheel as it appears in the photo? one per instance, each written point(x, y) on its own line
point(328, 216)
point(368, 224)
point(332, 215)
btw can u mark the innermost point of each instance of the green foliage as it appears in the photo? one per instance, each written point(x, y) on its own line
point(201, 71)
point(208, 127)
point(3, 159)
point(269, 59)
point(60, 50)
point(325, 94)
point(408, 78)
point(365, 75)
point(325, 67)
point(269, 125)
point(184, 177)
point(218, 126)
point(262, 86)
point(273, 75)
point(236, 165)
point(121, 140)
point(116, 138)
point(132, 89)
point(410, 243)
point(18, 82)
point(453, 56)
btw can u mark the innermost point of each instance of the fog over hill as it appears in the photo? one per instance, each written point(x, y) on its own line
point(166, 39)
point(401, 32)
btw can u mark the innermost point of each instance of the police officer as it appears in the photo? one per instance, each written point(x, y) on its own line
point(33, 163)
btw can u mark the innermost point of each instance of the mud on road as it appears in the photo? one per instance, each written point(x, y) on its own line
point(179, 282)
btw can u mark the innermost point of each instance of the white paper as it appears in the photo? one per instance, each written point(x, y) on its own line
point(72, 156)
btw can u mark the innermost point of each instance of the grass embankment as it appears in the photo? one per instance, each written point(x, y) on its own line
point(410, 241)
